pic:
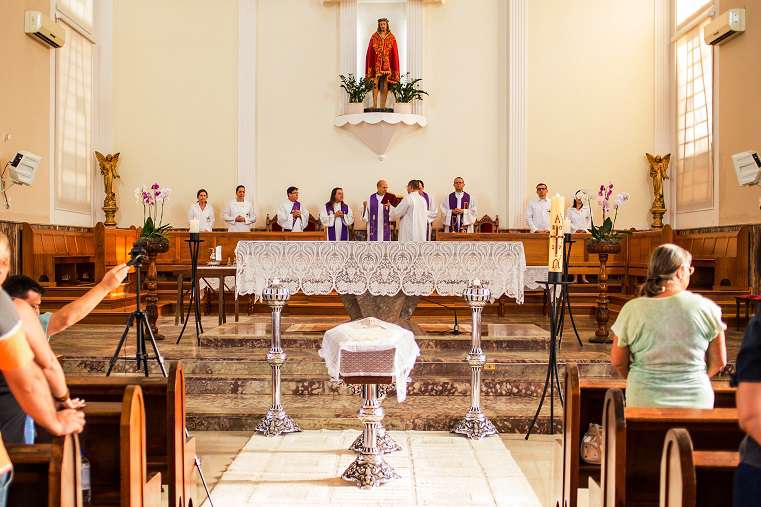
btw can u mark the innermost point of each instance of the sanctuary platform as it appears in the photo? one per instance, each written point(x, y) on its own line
point(228, 378)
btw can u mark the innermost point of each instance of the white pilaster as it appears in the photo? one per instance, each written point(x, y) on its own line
point(663, 94)
point(415, 37)
point(347, 16)
point(103, 136)
point(517, 56)
point(246, 139)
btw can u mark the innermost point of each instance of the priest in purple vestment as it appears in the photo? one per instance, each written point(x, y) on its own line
point(459, 208)
point(336, 217)
point(433, 212)
point(376, 214)
point(291, 215)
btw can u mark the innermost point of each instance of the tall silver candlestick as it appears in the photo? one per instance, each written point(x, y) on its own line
point(384, 441)
point(276, 421)
point(475, 425)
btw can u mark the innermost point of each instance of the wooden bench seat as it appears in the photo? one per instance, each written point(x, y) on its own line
point(169, 452)
point(633, 443)
point(46, 474)
point(722, 256)
point(691, 478)
point(584, 402)
point(114, 442)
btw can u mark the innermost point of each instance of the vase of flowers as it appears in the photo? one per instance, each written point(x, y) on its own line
point(357, 90)
point(405, 91)
point(153, 235)
point(605, 238)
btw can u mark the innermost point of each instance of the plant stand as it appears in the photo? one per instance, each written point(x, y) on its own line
point(602, 249)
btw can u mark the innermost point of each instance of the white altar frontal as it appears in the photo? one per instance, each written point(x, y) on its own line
point(382, 268)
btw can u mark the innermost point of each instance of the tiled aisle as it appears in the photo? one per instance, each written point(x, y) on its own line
point(437, 468)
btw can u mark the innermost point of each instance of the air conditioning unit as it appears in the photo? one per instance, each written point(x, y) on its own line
point(748, 167)
point(724, 27)
point(44, 29)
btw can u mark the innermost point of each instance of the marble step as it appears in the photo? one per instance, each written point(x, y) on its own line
point(426, 413)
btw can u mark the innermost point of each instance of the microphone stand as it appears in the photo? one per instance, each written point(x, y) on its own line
point(565, 300)
point(456, 326)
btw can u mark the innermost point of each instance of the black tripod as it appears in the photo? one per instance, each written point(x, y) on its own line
point(194, 243)
point(565, 302)
point(456, 326)
point(140, 320)
point(552, 380)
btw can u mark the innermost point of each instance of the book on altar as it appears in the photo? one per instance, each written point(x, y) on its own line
point(389, 198)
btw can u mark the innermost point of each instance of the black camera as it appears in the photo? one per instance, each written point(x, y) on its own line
point(136, 255)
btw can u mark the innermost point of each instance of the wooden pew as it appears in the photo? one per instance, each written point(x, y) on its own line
point(726, 253)
point(46, 474)
point(691, 478)
point(170, 453)
point(584, 401)
point(114, 442)
point(640, 245)
point(633, 442)
point(49, 250)
point(112, 247)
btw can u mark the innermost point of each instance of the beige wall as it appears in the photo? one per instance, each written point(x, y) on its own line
point(175, 101)
point(591, 105)
point(25, 108)
point(739, 114)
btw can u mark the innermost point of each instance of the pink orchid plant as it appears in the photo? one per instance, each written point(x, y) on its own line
point(608, 204)
point(152, 198)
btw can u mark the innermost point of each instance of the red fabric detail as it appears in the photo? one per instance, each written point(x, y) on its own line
point(382, 57)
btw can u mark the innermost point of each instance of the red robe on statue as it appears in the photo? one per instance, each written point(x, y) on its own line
point(382, 57)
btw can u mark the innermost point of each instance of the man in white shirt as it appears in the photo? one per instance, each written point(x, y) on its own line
point(336, 217)
point(433, 212)
point(239, 213)
point(538, 212)
point(412, 213)
point(202, 211)
point(376, 214)
point(459, 208)
point(291, 216)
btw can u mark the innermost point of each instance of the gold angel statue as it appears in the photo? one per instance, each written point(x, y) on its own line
point(107, 164)
point(659, 166)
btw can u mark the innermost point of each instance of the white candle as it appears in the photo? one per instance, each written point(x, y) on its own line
point(195, 226)
point(567, 226)
point(557, 209)
point(218, 253)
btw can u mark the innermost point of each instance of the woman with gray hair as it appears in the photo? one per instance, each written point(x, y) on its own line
point(669, 341)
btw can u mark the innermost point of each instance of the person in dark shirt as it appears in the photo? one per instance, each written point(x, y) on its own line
point(747, 483)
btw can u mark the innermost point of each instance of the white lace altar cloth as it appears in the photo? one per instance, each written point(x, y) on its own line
point(370, 335)
point(381, 268)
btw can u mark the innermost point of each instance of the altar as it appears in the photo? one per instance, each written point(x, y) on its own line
point(383, 279)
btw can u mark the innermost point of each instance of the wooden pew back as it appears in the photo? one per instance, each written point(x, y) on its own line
point(728, 251)
point(112, 247)
point(633, 442)
point(41, 246)
point(692, 478)
point(640, 245)
point(47, 474)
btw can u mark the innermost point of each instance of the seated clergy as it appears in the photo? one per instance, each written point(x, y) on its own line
point(336, 216)
point(376, 214)
point(291, 216)
point(433, 212)
point(239, 214)
point(412, 213)
point(459, 208)
point(538, 212)
point(202, 211)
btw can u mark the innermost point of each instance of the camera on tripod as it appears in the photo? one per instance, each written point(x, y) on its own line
point(136, 255)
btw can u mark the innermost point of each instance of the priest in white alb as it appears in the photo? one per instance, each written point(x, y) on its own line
point(459, 209)
point(291, 216)
point(412, 214)
point(433, 211)
point(336, 216)
point(239, 213)
point(376, 214)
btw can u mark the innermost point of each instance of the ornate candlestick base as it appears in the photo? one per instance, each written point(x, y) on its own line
point(475, 426)
point(276, 422)
point(383, 441)
point(370, 471)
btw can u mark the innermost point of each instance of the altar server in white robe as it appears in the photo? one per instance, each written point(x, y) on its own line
point(578, 213)
point(538, 212)
point(291, 215)
point(412, 214)
point(376, 214)
point(459, 208)
point(433, 211)
point(239, 213)
point(202, 211)
point(336, 216)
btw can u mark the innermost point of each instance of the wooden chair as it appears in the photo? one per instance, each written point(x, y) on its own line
point(485, 224)
point(170, 453)
point(692, 478)
point(633, 442)
point(114, 442)
point(47, 474)
point(747, 299)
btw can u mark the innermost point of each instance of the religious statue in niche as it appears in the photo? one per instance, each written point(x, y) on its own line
point(107, 164)
point(382, 64)
point(659, 166)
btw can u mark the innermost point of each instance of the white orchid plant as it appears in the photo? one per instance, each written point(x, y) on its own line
point(152, 198)
point(606, 232)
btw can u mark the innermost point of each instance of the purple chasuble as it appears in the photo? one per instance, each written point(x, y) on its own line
point(456, 223)
point(332, 230)
point(427, 208)
point(374, 221)
point(297, 207)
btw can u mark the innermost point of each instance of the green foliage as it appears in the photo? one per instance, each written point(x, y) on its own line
point(406, 90)
point(605, 231)
point(357, 89)
point(152, 232)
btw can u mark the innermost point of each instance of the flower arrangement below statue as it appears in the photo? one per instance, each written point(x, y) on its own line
point(153, 234)
point(606, 232)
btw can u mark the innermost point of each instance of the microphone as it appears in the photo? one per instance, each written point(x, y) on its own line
point(456, 326)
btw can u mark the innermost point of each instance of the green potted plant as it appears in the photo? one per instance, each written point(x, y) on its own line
point(605, 237)
point(405, 91)
point(153, 235)
point(357, 90)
